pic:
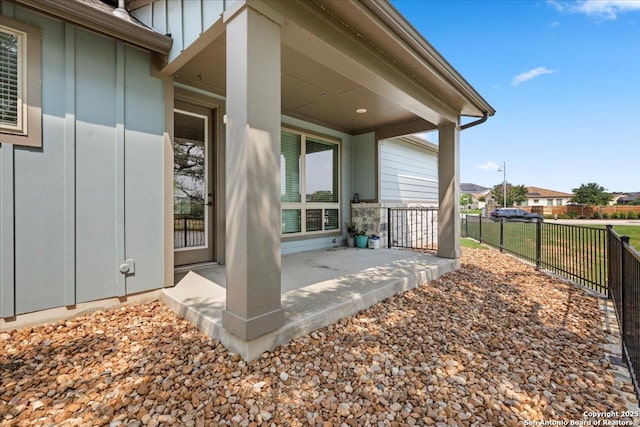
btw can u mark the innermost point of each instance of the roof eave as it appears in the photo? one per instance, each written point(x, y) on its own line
point(403, 29)
point(102, 22)
point(420, 142)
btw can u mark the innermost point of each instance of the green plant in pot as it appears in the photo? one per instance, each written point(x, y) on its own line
point(352, 232)
point(362, 240)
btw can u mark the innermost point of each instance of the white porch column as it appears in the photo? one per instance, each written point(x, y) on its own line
point(449, 191)
point(253, 172)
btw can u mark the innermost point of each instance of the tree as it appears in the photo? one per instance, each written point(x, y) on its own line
point(516, 194)
point(188, 169)
point(466, 199)
point(591, 194)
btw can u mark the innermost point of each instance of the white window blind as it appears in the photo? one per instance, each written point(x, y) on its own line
point(290, 149)
point(10, 82)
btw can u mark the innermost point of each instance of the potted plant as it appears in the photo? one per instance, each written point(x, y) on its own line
point(362, 240)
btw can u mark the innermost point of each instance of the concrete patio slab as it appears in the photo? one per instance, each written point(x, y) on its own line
point(318, 288)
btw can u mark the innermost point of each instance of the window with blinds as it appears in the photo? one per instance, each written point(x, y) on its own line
point(11, 84)
point(20, 83)
point(310, 180)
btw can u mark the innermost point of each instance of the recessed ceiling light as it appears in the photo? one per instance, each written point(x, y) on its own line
point(361, 110)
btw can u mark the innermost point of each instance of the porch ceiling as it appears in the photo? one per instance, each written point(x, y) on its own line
point(311, 91)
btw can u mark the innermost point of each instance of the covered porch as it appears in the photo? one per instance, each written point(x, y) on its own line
point(299, 96)
point(318, 288)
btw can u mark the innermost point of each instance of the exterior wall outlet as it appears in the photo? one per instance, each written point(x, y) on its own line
point(129, 267)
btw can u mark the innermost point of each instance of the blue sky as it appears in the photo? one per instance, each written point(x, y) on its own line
point(564, 78)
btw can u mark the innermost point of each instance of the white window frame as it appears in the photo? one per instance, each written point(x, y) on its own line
point(28, 130)
point(303, 205)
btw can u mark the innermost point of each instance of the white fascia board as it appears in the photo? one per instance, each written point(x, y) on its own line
point(417, 141)
point(422, 50)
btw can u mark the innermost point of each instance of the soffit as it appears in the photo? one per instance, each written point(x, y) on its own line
point(310, 91)
point(382, 27)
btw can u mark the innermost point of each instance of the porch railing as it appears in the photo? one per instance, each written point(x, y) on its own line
point(188, 232)
point(624, 286)
point(412, 228)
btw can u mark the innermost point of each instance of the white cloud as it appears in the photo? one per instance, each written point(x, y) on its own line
point(555, 24)
point(602, 9)
point(489, 166)
point(528, 75)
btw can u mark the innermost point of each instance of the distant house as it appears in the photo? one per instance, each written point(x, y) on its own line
point(466, 187)
point(615, 197)
point(477, 191)
point(629, 199)
point(537, 196)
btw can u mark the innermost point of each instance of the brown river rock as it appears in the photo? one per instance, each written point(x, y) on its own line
point(494, 343)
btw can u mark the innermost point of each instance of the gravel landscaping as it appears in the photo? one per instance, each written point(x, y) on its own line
point(494, 343)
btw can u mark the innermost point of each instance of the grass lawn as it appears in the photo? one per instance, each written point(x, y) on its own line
point(633, 231)
point(575, 252)
point(471, 244)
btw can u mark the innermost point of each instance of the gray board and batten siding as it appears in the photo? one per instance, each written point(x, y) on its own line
point(184, 20)
point(72, 211)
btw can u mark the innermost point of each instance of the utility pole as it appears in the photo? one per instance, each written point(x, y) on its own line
point(503, 169)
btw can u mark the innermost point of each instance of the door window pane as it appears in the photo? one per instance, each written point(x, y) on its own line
point(321, 163)
point(189, 167)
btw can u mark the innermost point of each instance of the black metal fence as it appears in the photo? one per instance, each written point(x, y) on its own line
point(412, 228)
point(575, 252)
point(624, 286)
point(188, 232)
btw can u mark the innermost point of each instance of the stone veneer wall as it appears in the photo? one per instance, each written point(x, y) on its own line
point(373, 217)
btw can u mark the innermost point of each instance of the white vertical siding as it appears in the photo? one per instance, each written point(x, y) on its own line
point(158, 16)
point(408, 173)
point(185, 20)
